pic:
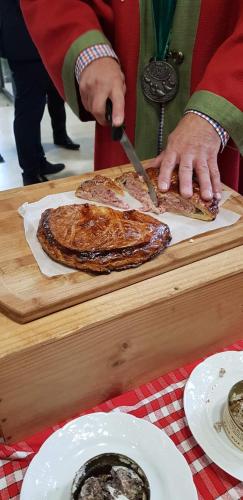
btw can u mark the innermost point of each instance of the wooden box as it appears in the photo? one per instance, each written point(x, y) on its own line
point(57, 365)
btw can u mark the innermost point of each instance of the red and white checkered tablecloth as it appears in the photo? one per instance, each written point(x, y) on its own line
point(160, 402)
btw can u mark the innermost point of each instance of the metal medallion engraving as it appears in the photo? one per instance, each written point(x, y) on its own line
point(159, 82)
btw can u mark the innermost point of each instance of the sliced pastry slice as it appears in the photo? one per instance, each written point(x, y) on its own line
point(172, 201)
point(103, 190)
point(136, 187)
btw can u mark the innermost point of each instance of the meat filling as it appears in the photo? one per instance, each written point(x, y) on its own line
point(103, 195)
point(137, 188)
point(103, 190)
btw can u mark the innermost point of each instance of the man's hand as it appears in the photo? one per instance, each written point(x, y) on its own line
point(193, 145)
point(101, 79)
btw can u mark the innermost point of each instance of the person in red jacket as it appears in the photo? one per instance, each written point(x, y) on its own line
point(173, 70)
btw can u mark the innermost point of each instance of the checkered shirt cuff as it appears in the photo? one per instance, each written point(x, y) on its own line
point(90, 54)
point(224, 136)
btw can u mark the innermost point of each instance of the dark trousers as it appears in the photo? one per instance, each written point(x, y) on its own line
point(33, 89)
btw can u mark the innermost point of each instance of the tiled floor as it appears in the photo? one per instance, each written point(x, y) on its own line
point(76, 162)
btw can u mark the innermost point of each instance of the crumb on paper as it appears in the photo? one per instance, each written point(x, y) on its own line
point(218, 426)
point(222, 371)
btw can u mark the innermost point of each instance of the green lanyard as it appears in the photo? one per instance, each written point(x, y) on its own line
point(163, 18)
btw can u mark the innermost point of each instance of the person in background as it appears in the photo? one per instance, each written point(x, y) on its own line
point(33, 88)
point(173, 70)
point(56, 109)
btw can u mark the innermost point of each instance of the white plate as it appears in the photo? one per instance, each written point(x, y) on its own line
point(52, 470)
point(204, 399)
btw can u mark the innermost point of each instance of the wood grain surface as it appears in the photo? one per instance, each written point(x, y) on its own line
point(61, 364)
point(26, 294)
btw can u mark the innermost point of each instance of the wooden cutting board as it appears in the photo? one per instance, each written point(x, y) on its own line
point(26, 294)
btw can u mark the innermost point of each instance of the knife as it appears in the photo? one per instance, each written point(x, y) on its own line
point(119, 134)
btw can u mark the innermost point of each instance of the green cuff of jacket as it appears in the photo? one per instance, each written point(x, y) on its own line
point(222, 111)
point(89, 39)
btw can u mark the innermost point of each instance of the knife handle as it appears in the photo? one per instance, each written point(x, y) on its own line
point(116, 132)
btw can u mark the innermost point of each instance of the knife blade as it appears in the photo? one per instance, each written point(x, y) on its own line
point(133, 158)
point(119, 134)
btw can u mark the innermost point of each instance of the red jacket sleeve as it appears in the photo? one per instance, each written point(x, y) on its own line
point(54, 26)
point(224, 72)
point(217, 82)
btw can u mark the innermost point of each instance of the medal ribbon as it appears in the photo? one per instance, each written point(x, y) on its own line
point(163, 18)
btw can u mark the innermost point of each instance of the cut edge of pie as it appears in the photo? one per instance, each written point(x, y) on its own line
point(134, 184)
point(172, 201)
point(102, 189)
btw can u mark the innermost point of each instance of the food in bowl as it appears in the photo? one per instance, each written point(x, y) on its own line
point(110, 476)
point(233, 415)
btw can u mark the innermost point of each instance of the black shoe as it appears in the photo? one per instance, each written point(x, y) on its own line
point(65, 142)
point(33, 179)
point(51, 168)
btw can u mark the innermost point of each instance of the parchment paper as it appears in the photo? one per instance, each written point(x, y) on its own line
point(182, 228)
